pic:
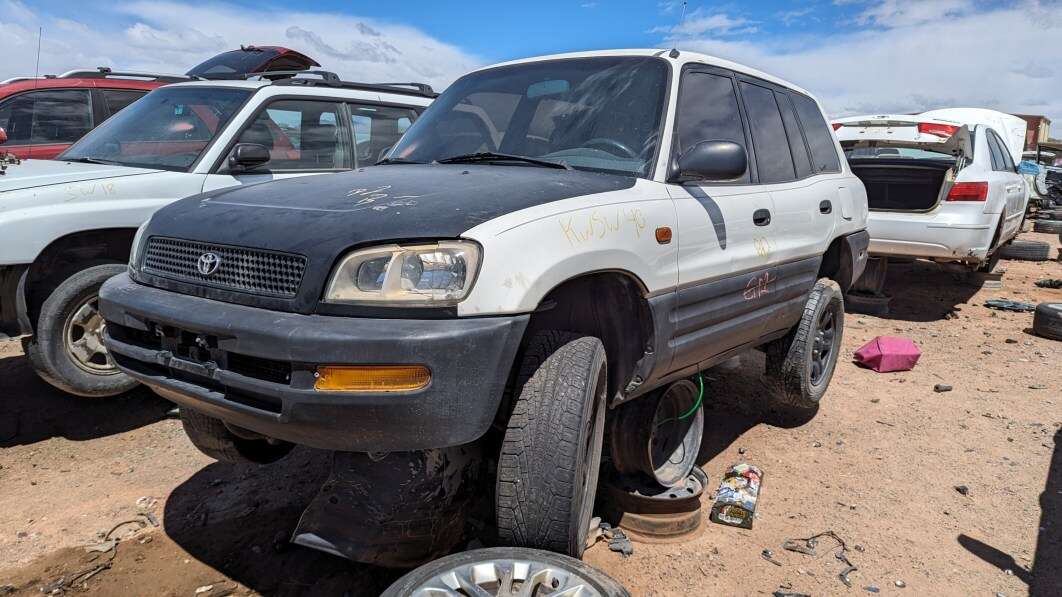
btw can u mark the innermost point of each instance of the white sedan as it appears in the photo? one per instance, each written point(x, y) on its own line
point(941, 185)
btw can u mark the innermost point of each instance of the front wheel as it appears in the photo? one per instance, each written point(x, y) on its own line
point(551, 454)
point(803, 361)
point(67, 349)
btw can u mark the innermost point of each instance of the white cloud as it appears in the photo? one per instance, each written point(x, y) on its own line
point(701, 23)
point(982, 59)
point(160, 36)
point(791, 16)
point(903, 13)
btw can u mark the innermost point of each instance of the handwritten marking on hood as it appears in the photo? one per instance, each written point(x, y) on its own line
point(76, 191)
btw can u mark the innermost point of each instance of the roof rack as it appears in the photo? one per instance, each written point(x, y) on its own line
point(330, 79)
point(103, 72)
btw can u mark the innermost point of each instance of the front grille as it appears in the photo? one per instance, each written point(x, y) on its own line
point(244, 270)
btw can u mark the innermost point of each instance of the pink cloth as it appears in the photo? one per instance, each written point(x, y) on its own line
point(887, 353)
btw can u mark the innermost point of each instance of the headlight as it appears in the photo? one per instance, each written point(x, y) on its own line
point(134, 251)
point(430, 275)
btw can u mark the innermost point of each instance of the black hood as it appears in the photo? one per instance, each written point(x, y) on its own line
point(324, 216)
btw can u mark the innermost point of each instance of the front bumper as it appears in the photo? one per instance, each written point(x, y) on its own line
point(254, 368)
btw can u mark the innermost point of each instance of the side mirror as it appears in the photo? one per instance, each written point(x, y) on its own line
point(3, 136)
point(247, 156)
point(711, 160)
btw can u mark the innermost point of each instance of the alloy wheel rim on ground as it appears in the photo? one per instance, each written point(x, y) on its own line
point(83, 339)
point(508, 577)
point(822, 348)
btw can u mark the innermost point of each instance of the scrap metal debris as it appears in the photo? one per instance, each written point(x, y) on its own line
point(806, 546)
point(1008, 305)
point(619, 542)
point(789, 594)
point(769, 556)
point(1049, 283)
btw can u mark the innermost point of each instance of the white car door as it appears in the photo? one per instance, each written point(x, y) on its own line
point(1006, 183)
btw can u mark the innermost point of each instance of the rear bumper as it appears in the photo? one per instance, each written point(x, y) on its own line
point(946, 235)
point(258, 372)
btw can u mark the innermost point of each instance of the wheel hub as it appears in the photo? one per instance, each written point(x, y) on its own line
point(511, 578)
point(823, 345)
point(83, 339)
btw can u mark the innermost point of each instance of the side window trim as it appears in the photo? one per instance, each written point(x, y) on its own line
point(722, 72)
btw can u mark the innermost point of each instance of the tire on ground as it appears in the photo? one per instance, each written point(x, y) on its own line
point(795, 361)
point(47, 350)
point(551, 453)
point(1047, 320)
point(1048, 226)
point(1026, 250)
point(214, 439)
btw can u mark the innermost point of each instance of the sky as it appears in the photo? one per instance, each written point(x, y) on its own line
point(857, 56)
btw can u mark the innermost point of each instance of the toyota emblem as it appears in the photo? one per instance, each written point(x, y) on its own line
point(208, 263)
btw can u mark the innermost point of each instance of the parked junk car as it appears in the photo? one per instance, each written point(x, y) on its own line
point(941, 185)
point(41, 117)
point(554, 240)
point(68, 225)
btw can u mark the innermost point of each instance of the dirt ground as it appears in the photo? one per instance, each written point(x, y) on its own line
point(879, 466)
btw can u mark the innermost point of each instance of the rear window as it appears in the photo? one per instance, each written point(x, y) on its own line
point(820, 138)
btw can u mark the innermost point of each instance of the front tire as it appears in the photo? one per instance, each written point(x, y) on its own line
point(214, 439)
point(551, 453)
point(803, 361)
point(67, 348)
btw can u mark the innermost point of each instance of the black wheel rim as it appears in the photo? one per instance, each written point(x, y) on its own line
point(822, 348)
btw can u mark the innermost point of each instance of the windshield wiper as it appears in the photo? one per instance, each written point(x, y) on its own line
point(89, 160)
point(490, 156)
point(397, 161)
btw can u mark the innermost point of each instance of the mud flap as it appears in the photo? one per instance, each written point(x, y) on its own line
point(399, 510)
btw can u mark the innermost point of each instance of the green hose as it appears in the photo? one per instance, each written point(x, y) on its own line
point(692, 410)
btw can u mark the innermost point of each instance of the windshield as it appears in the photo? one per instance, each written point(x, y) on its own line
point(168, 128)
point(601, 113)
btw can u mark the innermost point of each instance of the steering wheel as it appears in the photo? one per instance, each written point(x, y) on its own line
point(605, 143)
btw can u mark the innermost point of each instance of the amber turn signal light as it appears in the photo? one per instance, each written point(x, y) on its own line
point(663, 235)
point(371, 378)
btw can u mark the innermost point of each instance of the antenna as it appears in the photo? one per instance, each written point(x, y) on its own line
point(37, 69)
point(682, 19)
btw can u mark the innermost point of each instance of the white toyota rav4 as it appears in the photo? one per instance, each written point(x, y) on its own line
point(941, 185)
point(555, 242)
point(67, 225)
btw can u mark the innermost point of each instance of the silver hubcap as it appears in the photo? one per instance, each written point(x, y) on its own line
point(512, 578)
point(83, 336)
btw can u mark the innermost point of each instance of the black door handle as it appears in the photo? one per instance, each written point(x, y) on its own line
point(825, 207)
point(761, 217)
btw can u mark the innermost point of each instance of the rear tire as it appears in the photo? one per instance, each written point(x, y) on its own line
point(551, 453)
point(66, 349)
point(214, 439)
point(803, 361)
point(1048, 226)
point(1047, 321)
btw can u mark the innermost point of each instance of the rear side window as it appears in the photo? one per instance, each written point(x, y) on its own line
point(820, 139)
point(118, 99)
point(708, 111)
point(774, 160)
point(997, 152)
point(801, 159)
point(377, 129)
point(49, 116)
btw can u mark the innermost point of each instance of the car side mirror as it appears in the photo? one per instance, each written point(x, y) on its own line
point(711, 160)
point(3, 136)
point(247, 156)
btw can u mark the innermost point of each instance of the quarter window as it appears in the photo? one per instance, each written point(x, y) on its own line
point(774, 160)
point(118, 99)
point(998, 163)
point(1005, 161)
point(300, 135)
point(820, 138)
point(708, 111)
point(801, 159)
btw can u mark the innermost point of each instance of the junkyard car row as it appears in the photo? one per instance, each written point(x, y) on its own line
point(546, 246)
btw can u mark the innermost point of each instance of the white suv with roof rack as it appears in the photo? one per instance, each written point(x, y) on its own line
point(67, 225)
point(941, 185)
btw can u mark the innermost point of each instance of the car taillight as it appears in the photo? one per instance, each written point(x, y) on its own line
point(940, 130)
point(968, 191)
point(837, 125)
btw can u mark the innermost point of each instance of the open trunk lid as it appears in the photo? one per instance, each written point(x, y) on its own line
point(906, 131)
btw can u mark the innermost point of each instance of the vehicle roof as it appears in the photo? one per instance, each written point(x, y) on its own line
point(309, 90)
point(684, 57)
point(31, 84)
